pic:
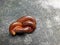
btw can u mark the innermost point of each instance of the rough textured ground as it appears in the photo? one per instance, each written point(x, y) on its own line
point(47, 14)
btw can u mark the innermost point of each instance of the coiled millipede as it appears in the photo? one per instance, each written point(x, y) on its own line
point(25, 24)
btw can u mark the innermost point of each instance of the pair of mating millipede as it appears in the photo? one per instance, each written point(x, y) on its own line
point(25, 24)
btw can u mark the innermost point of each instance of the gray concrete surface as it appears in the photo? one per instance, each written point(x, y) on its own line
point(47, 14)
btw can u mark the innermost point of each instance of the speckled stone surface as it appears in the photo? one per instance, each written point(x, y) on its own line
point(47, 14)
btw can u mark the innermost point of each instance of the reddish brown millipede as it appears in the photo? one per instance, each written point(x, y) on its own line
point(25, 24)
